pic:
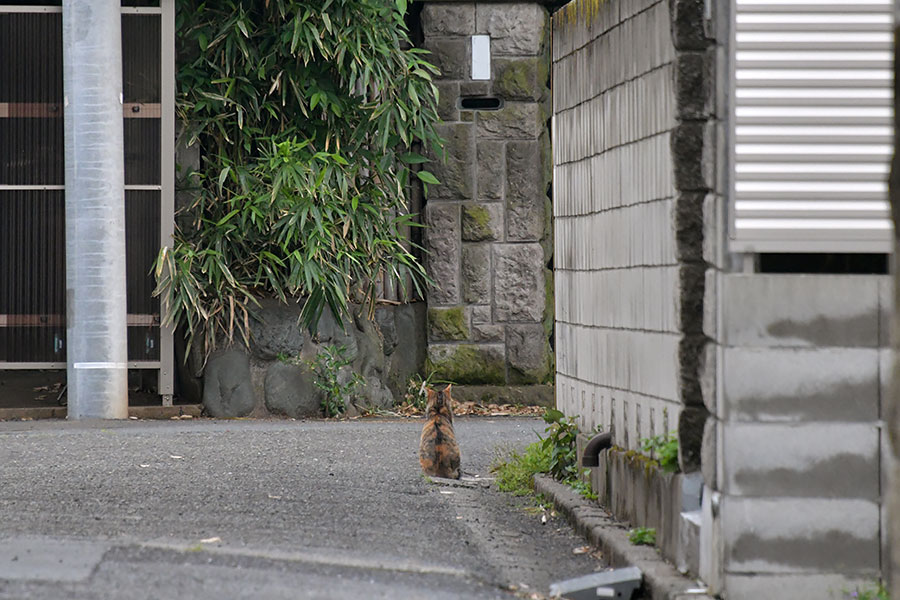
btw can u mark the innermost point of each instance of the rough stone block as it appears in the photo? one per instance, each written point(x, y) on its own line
point(486, 332)
point(456, 171)
point(515, 28)
point(694, 79)
point(290, 390)
point(451, 56)
point(448, 324)
point(481, 314)
point(528, 207)
point(691, 423)
point(276, 330)
point(467, 363)
point(515, 121)
point(885, 310)
point(447, 19)
point(409, 356)
point(227, 390)
point(475, 88)
point(524, 170)
point(482, 222)
point(529, 354)
point(800, 384)
point(448, 92)
point(491, 168)
point(521, 78)
point(816, 460)
point(799, 310)
point(707, 373)
point(800, 535)
point(688, 24)
point(476, 273)
point(519, 282)
point(688, 221)
point(694, 154)
point(442, 243)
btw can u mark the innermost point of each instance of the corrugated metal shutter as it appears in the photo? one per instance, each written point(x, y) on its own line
point(812, 126)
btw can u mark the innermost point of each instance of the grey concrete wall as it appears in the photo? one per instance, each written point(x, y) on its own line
point(632, 170)
point(795, 451)
point(490, 315)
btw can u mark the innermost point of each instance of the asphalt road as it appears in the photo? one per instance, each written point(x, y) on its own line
point(266, 509)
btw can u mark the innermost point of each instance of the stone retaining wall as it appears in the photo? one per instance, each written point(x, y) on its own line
point(490, 317)
point(273, 376)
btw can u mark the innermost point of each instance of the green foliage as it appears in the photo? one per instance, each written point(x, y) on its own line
point(327, 367)
point(664, 448)
point(515, 472)
point(642, 536)
point(583, 487)
point(307, 115)
point(559, 443)
point(873, 592)
point(415, 394)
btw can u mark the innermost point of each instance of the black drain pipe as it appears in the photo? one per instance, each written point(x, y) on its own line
point(591, 455)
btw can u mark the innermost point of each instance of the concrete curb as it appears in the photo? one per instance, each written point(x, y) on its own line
point(661, 580)
point(140, 412)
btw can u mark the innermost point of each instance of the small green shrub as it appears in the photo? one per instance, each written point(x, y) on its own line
point(873, 592)
point(559, 443)
point(415, 394)
point(327, 366)
point(642, 536)
point(515, 472)
point(664, 449)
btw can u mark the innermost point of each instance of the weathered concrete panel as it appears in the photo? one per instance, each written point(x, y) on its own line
point(800, 384)
point(800, 310)
point(800, 535)
point(811, 460)
point(757, 586)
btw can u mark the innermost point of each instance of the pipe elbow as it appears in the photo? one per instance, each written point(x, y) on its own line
point(591, 455)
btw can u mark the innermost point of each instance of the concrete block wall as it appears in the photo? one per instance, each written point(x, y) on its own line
point(794, 451)
point(490, 316)
point(632, 169)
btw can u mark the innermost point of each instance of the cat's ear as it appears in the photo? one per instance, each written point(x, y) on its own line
point(430, 393)
point(447, 389)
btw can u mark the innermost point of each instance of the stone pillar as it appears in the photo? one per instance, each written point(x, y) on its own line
point(490, 317)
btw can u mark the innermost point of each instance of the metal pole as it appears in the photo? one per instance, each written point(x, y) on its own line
point(95, 210)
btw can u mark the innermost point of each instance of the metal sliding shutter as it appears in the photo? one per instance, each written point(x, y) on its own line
point(812, 125)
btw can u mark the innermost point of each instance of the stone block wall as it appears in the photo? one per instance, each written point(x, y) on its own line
point(633, 129)
point(490, 316)
point(794, 454)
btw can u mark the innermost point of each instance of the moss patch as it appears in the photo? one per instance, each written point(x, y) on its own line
point(467, 363)
point(521, 78)
point(476, 224)
point(448, 324)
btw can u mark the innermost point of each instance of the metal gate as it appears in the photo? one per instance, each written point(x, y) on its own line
point(812, 125)
point(32, 208)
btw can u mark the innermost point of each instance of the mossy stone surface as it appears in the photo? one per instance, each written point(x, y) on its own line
point(476, 224)
point(521, 78)
point(467, 363)
point(448, 324)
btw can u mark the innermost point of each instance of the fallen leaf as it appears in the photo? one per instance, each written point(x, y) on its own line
point(133, 418)
point(177, 457)
point(274, 497)
point(211, 540)
point(544, 518)
point(581, 550)
point(446, 492)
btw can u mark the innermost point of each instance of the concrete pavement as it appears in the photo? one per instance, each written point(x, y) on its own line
point(265, 509)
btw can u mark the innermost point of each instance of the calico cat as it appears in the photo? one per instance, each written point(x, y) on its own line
point(438, 450)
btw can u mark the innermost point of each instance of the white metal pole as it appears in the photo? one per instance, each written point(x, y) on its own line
point(95, 210)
